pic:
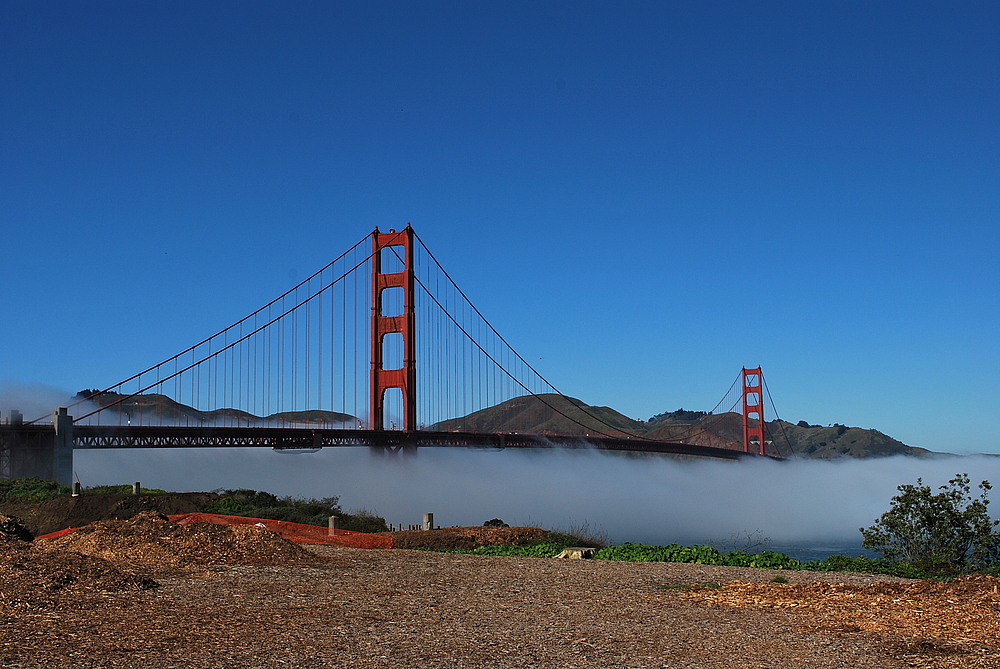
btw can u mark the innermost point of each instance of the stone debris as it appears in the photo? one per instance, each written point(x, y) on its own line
point(577, 553)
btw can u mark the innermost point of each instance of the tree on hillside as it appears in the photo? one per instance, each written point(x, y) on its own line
point(942, 533)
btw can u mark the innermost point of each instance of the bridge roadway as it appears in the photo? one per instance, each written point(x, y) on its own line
point(101, 437)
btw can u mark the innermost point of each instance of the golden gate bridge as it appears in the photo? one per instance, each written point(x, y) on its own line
point(379, 348)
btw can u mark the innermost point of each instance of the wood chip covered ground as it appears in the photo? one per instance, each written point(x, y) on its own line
point(145, 595)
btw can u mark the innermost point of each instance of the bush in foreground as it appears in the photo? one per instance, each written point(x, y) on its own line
point(943, 533)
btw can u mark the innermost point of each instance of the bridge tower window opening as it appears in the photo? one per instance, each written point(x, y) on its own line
point(392, 302)
point(392, 409)
point(392, 351)
point(392, 258)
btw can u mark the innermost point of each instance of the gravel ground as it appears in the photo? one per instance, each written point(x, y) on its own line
point(404, 608)
point(142, 593)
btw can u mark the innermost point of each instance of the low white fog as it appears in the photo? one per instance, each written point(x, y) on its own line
point(646, 499)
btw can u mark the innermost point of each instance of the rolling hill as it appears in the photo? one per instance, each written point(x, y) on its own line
point(555, 414)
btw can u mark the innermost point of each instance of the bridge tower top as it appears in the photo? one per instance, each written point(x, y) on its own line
point(398, 246)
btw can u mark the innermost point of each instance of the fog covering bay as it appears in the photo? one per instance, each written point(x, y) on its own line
point(638, 499)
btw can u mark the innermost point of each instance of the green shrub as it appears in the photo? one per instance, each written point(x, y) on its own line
point(943, 533)
point(865, 565)
point(230, 506)
point(542, 550)
point(629, 552)
point(363, 520)
point(30, 490)
point(259, 504)
point(762, 560)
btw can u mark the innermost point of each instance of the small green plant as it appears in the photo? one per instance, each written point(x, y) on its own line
point(941, 533)
point(542, 550)
point(779, 579)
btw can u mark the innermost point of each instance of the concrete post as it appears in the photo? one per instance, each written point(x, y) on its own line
point(76, 488)
point(333, 525)
point(136, 488)
point(62, 450)
point(428, 521)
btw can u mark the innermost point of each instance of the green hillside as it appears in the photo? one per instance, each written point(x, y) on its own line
point(816, 441)
point(555, 414)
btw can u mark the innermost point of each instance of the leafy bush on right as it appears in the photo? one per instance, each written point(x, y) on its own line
point(941, 534)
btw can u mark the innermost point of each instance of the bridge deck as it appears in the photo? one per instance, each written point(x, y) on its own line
point(101, 437)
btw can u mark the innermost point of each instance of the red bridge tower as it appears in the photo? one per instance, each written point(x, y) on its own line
point(753, 405)
point(405, 377)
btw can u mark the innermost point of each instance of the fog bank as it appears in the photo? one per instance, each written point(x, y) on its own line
point(655, 500)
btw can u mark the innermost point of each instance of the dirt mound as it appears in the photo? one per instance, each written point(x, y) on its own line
point(467, 538)
point(151, 542)
point(63, 511)
point(13, 528)
point(31, 577)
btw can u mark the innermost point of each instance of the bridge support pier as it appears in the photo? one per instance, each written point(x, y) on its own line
point(62, 447)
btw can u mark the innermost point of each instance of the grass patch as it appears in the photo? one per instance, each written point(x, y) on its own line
point(123, 489)
point(710, 556)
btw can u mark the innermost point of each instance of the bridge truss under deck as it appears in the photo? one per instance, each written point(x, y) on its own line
point(105, 437)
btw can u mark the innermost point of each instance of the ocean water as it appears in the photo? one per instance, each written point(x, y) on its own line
point(819, 550)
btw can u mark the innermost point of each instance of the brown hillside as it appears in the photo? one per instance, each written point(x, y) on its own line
point(156, 409)
point(549, 413)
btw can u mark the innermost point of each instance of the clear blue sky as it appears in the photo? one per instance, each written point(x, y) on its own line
point(648, 196)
